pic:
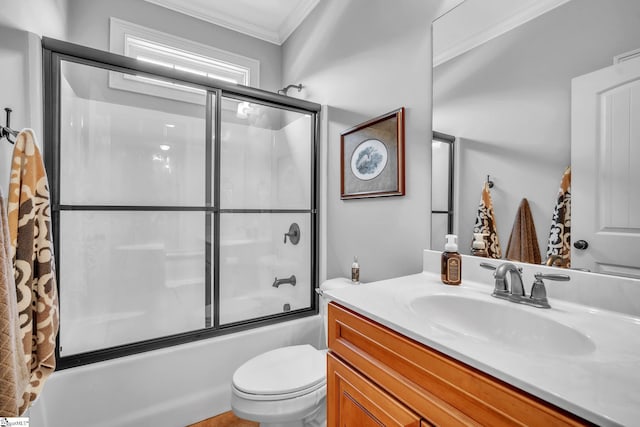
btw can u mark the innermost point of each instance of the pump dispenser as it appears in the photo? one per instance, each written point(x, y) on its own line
point(451, 266)
point(479, 246)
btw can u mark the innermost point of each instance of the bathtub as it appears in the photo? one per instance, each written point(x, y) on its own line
point(171, 387)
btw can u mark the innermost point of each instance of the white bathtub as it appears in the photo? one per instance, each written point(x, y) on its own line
point(172, 387)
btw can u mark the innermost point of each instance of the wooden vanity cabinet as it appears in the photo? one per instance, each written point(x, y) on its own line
point(362, 403)
point(378, 377)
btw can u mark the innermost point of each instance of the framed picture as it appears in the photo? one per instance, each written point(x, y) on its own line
point(372, 158)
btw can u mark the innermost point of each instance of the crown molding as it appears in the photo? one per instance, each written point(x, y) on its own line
point(296, 17)
point(275, 36)
point(518, 18)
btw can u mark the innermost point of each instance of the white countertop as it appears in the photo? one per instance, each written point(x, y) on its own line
point(601, 386)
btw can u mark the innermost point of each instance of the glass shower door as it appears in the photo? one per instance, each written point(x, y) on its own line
point(181, 212)
point(265, 191)
point(132, 212)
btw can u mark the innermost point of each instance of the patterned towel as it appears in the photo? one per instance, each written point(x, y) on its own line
point(523, 242)
point(486, 223)
point(33, 262)
point(14, 375)
point(559, 244)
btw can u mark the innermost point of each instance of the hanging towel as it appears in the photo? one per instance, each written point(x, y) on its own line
point(33, 262)
point(559, 245)
point(14, 375)
point(523, 242)
point(486, 223)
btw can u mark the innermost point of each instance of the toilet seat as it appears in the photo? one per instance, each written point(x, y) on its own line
point(283, 373)
point(278, 397)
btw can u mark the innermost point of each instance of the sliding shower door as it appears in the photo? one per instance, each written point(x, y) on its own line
point(265, 190)
point(132, 212)
point(180, 212)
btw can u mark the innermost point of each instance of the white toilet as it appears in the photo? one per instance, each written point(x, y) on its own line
point(285, 387)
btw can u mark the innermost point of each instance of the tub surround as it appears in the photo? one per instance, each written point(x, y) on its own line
point(595, 380)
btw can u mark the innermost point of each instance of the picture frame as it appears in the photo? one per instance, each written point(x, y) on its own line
point(372, 158)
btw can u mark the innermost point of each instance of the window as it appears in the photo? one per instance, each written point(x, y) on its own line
point(175, 53)
point(169, 214)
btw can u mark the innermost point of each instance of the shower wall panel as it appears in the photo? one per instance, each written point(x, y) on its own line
point(173, 217)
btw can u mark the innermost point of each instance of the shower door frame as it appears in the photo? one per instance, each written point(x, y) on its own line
point(450, 211)
point(54, 53)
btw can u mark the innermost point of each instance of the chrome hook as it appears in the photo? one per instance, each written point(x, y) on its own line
point(6, 131)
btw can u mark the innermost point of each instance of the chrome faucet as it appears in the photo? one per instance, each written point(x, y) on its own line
point(501, 287)
point(517, 293)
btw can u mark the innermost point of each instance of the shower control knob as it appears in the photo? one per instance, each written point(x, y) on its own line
point(294, 234)
point(581, 244)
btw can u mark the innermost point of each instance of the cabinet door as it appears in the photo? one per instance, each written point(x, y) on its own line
point(353, 401)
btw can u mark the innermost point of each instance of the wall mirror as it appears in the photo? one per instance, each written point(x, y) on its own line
point(502, 86)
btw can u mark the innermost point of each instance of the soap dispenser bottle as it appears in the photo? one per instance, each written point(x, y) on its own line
point(479, 246)
point(451, 266)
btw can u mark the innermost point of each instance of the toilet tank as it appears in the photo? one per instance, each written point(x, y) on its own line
point(327, 285)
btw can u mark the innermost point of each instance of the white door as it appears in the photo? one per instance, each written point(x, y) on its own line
point(605, 168)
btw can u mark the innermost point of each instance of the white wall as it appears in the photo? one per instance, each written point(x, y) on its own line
point(509, 103)
point(361, 59)
point(21, 24)
point(20, 90)
point(41, 17)
point(88, 24)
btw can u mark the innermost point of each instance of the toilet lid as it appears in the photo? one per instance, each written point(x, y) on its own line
point(281, 371)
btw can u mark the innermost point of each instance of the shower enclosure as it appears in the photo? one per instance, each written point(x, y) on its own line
point(183, 207)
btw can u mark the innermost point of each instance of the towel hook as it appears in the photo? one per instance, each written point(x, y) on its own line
point(6, 131)
point(489, 182)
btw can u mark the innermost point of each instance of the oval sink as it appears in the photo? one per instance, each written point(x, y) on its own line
point(501, 322)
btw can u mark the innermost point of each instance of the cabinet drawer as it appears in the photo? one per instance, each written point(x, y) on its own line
point(358, 402)
point(439, 388)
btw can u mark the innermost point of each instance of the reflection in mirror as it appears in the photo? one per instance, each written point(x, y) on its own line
point(502, 80)
point(442, 190)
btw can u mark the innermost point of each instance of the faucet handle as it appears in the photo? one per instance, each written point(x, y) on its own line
point(557, 277)
point(539, 292)
point(488, 266)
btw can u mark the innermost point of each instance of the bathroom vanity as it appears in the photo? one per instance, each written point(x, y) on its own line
point(411, 351)
point(376, 374)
